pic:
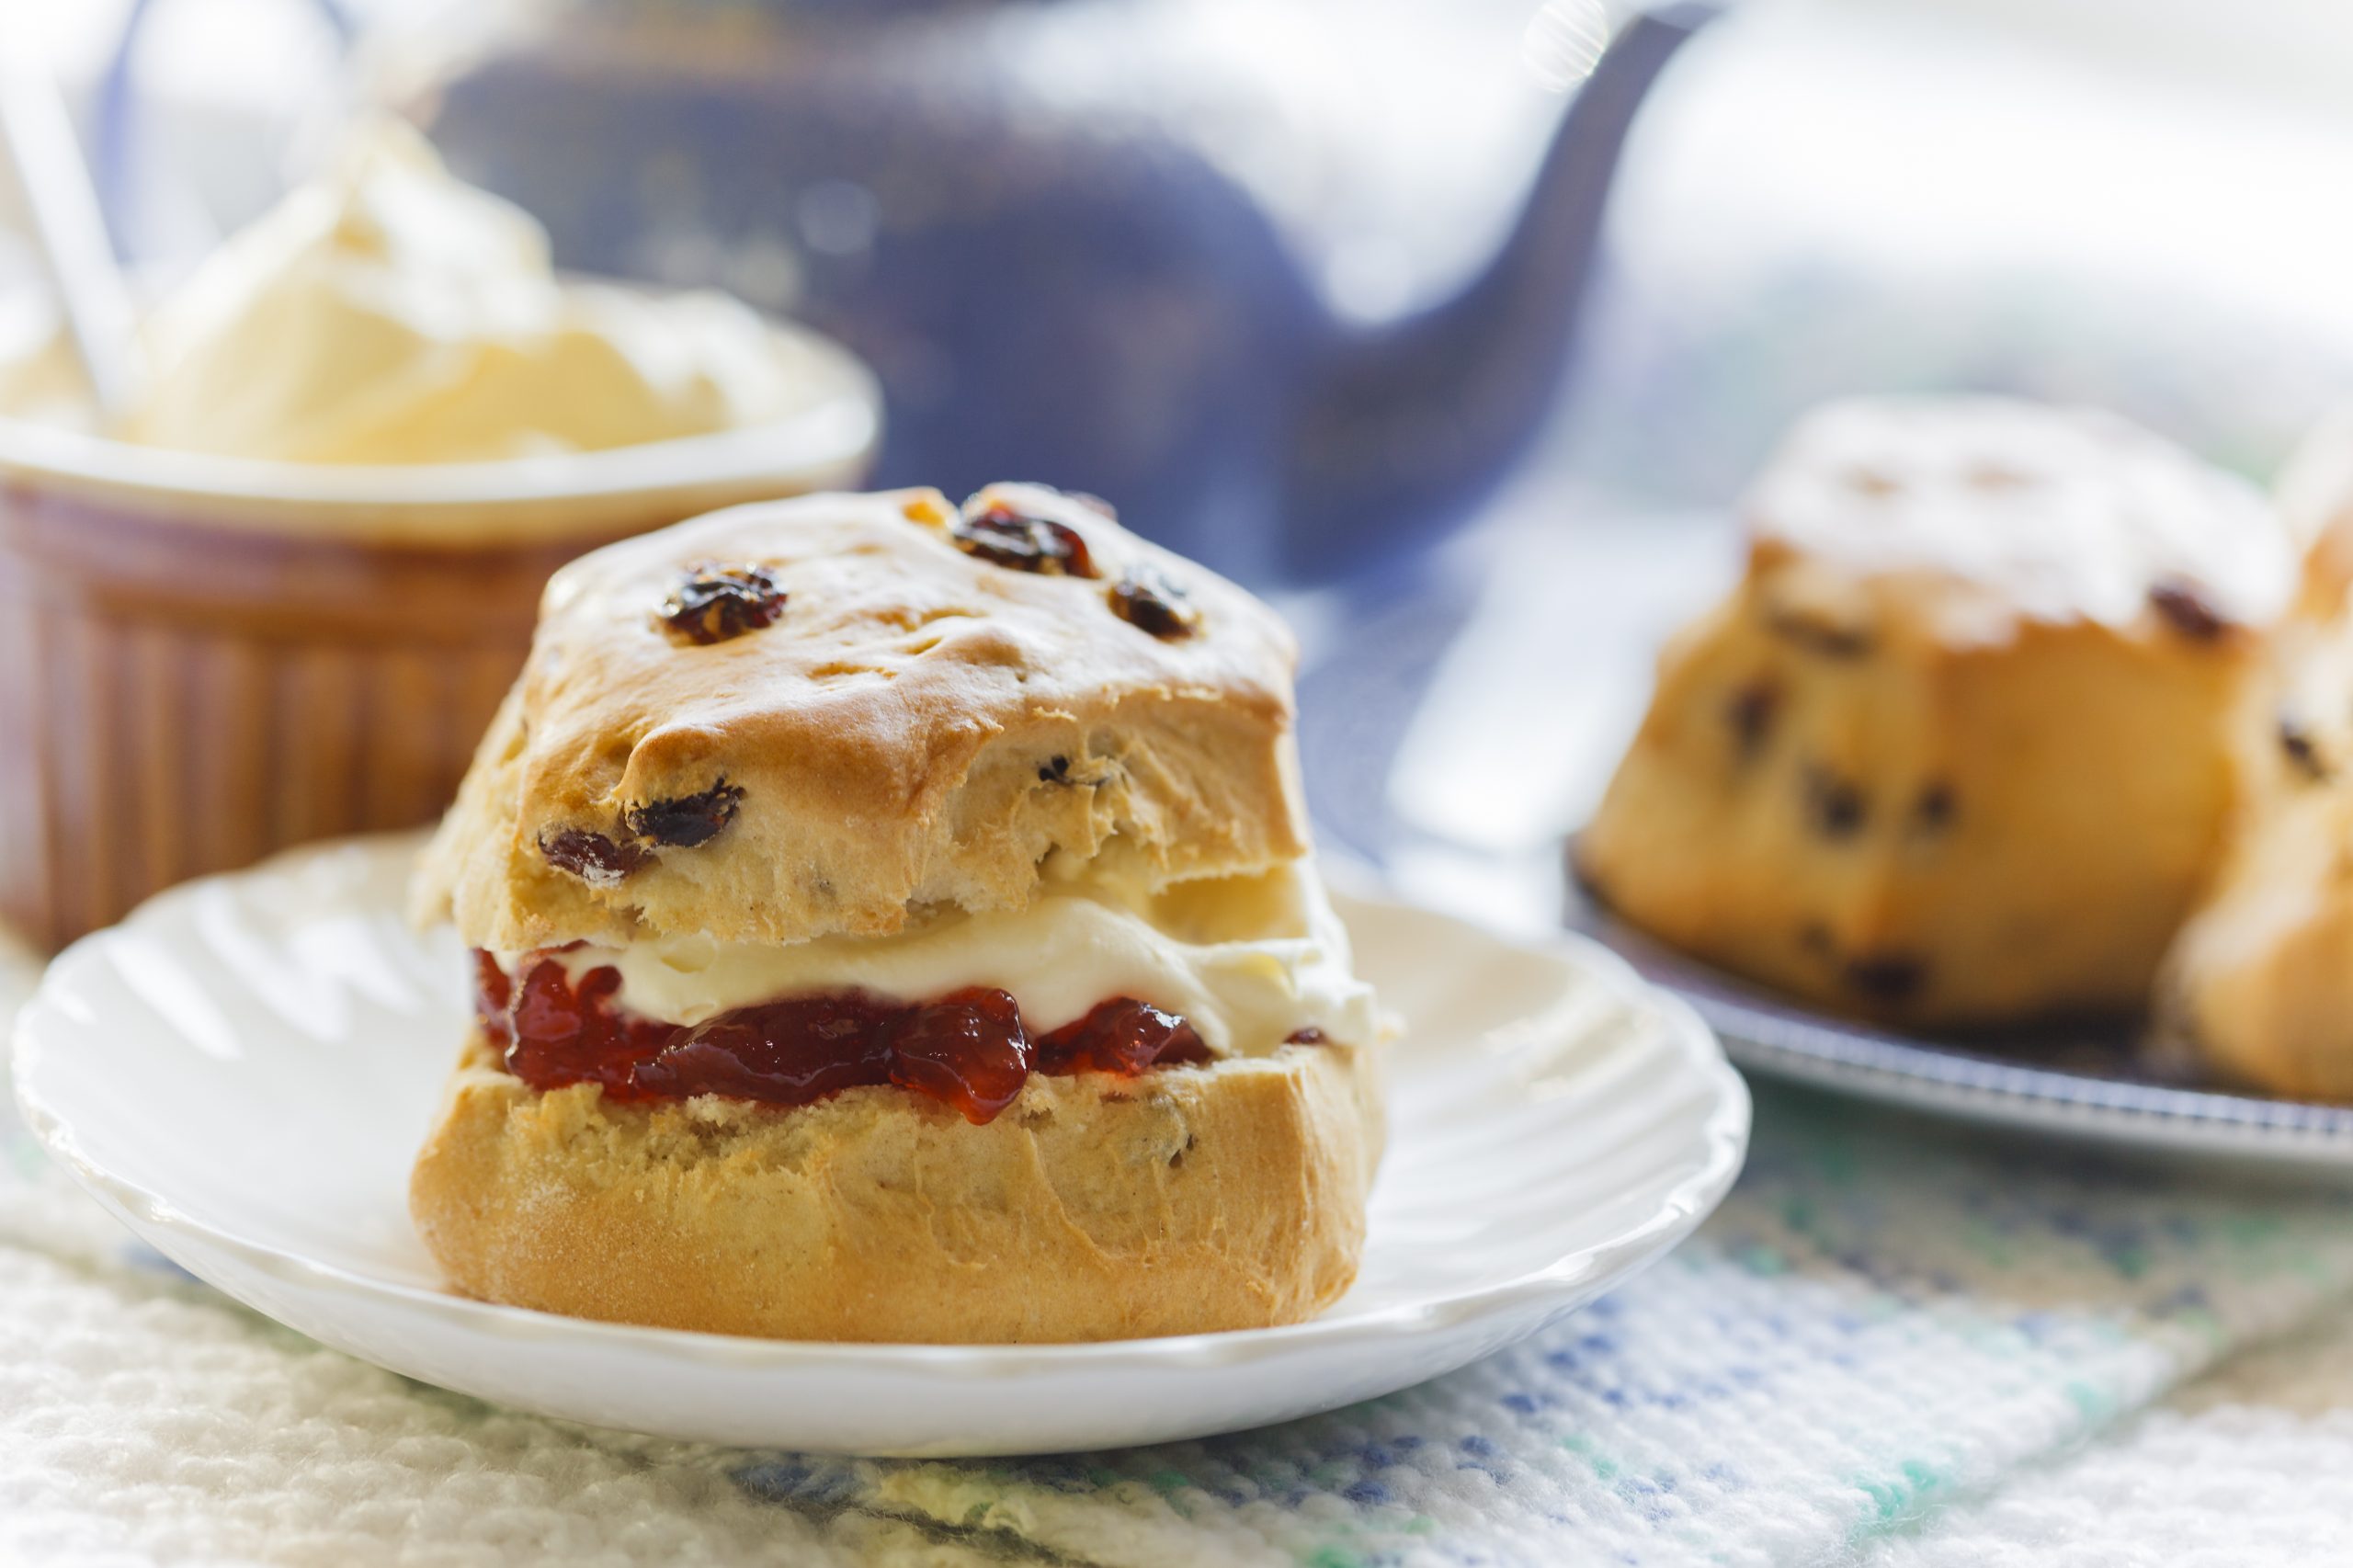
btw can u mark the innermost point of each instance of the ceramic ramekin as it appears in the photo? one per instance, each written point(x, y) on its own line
point(204, 659)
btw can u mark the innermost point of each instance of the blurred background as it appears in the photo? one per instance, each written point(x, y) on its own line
point(1453, 325)
point(2112, 199)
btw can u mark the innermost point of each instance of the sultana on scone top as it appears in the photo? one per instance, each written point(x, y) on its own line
point(823, 716)
point(1961, 745)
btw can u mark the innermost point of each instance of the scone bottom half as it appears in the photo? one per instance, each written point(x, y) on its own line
point(894, 921)
point(1962, 747)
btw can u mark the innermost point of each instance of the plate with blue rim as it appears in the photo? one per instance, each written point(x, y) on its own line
point(2105, 1079)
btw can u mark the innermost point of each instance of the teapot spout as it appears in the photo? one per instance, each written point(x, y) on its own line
point(1405, 426)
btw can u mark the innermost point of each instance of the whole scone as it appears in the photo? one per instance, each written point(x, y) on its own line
point(2260, 980)
point(894, 921)
point(1960, 747)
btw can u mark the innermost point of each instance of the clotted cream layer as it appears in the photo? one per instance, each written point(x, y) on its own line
point(1246, 961)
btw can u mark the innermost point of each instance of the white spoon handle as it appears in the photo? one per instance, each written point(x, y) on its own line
point(41, 147)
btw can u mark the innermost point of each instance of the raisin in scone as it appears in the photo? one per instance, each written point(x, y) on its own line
point(896, 921)
point(1959, 749)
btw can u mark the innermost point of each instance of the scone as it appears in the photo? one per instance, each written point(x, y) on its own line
point(2314, 492)
point(2260, 980)
point(1959, 748)
point(894, 921)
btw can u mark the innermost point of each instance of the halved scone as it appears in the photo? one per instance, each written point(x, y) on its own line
point(894, 921)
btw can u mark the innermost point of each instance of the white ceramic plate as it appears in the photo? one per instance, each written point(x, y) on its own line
point(241, 1071)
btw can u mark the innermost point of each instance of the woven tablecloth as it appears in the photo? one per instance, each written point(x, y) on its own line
point(1895, 1344)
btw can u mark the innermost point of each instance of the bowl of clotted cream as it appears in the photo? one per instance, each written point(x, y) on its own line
point(277, 597)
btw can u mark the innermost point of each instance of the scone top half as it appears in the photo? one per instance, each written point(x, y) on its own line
point(885, 742)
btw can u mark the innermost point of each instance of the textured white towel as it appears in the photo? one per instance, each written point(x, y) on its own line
point(2252, 1464)
point(1892, 1347)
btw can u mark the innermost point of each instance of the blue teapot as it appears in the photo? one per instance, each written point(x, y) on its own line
point(1045, 292)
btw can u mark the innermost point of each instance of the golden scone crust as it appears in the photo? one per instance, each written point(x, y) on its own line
point(1183, 1201)
point(919, 726)
point(1961, 745)
point(2260, 980)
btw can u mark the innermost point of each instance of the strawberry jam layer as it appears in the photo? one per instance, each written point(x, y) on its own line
point(969, 1049)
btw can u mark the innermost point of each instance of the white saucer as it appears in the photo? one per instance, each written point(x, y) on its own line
point(242, 1073)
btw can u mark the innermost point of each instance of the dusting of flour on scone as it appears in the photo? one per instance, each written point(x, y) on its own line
point(894, 921)
point(1961, 745)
